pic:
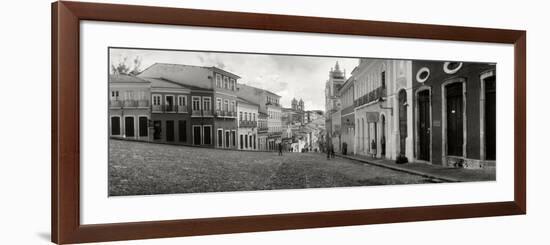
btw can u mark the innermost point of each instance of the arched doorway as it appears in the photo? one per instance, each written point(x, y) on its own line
point(402, 97)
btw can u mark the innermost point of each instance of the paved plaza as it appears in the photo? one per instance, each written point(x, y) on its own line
point(137, 168)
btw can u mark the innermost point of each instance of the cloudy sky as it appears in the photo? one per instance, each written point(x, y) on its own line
point(288, 76)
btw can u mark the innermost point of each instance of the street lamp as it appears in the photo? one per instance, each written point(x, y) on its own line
point(380, 100)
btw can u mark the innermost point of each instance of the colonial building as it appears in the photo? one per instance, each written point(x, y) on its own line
point(382, 95)
point(268, 103)
point(262, 131)
point(169, 111)
point(247, 125)
point(347, 124)
point(454, 113)
point(129, 101)
point(332, 101)
point(211, 102)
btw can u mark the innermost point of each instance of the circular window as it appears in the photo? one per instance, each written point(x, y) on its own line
point(422, 74)
point(452, 67)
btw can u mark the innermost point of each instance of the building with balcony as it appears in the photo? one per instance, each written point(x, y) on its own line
point(383, 121)
point(347, 114)
point(211, 102)
point(262, 131)
point(129, 107)
point(454, 113)
point(247, 123)
point(170, 111)
point(268, 103)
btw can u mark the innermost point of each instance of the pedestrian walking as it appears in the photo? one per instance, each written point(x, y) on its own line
point(331, 151)
point(280, 149)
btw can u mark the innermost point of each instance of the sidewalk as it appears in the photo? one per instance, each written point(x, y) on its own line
point(441, 173)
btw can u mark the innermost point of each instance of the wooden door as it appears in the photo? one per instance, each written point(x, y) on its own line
point(455, 133)
point(490, 118)
point(402, 122)
point(424, 124)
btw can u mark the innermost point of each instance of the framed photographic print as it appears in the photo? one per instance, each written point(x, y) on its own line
point(176, 122)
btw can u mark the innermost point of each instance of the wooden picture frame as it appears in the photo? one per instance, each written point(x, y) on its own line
point(65, 163)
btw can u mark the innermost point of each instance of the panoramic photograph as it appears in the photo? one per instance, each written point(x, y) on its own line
point(186, 121)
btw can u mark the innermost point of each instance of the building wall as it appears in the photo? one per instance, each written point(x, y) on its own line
point(246, 130)
point(469, 74)
point(379, 120)
point(159, 117)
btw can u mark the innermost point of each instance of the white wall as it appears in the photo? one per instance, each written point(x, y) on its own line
point(25, 144)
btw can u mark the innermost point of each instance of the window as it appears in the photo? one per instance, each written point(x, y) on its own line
point(226, 82)
point(233, 84)
point(254, 117)
point(114, 95)
point(218, 104)
point(206, 103)
point(182, 100)
point(218, 80)
point(246, 116)
point(182, 130)
point(423, 74)
point(143, 130)
point(115, 125)
point(207, 135)
point(452, 67)
point(196, 103)
point(240, 115)
point(233, 108)
point(169, 102)
point(226, 105)
point(156, 99)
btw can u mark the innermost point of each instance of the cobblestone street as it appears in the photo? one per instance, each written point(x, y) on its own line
point(142, 168)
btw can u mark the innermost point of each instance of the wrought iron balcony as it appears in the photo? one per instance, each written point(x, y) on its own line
point(128, 103)
point(248, 124)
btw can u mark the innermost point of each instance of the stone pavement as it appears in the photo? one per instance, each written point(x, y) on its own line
point(442, 173)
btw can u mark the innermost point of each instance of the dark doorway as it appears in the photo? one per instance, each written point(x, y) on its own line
point(115, 125)
point(454, 119)
point(197, 135)
point(182, 130)
point(424, 125)
point(220, 138)
point(170, 130)
point(402, 122)
point(242, 142)
point(143, 130)
point(490, 118)
point(207, 135)
point(157, 130)
point(129, 126)
point(226, 138)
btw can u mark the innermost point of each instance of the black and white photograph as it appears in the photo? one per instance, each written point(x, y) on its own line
point(194, 121)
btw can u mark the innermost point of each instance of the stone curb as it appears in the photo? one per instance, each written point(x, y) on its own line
point(409, 171)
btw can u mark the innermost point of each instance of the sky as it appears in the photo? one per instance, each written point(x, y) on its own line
point(286, 75)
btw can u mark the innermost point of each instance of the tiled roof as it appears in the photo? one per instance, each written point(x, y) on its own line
point(123, 78)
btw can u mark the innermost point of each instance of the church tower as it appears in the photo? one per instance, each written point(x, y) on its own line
point(294, 104)
point(301, 105)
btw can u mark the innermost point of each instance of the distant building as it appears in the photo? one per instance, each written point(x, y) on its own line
point(268, 103)
point(247, 125)
point(332, 100)
point(129, 112)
